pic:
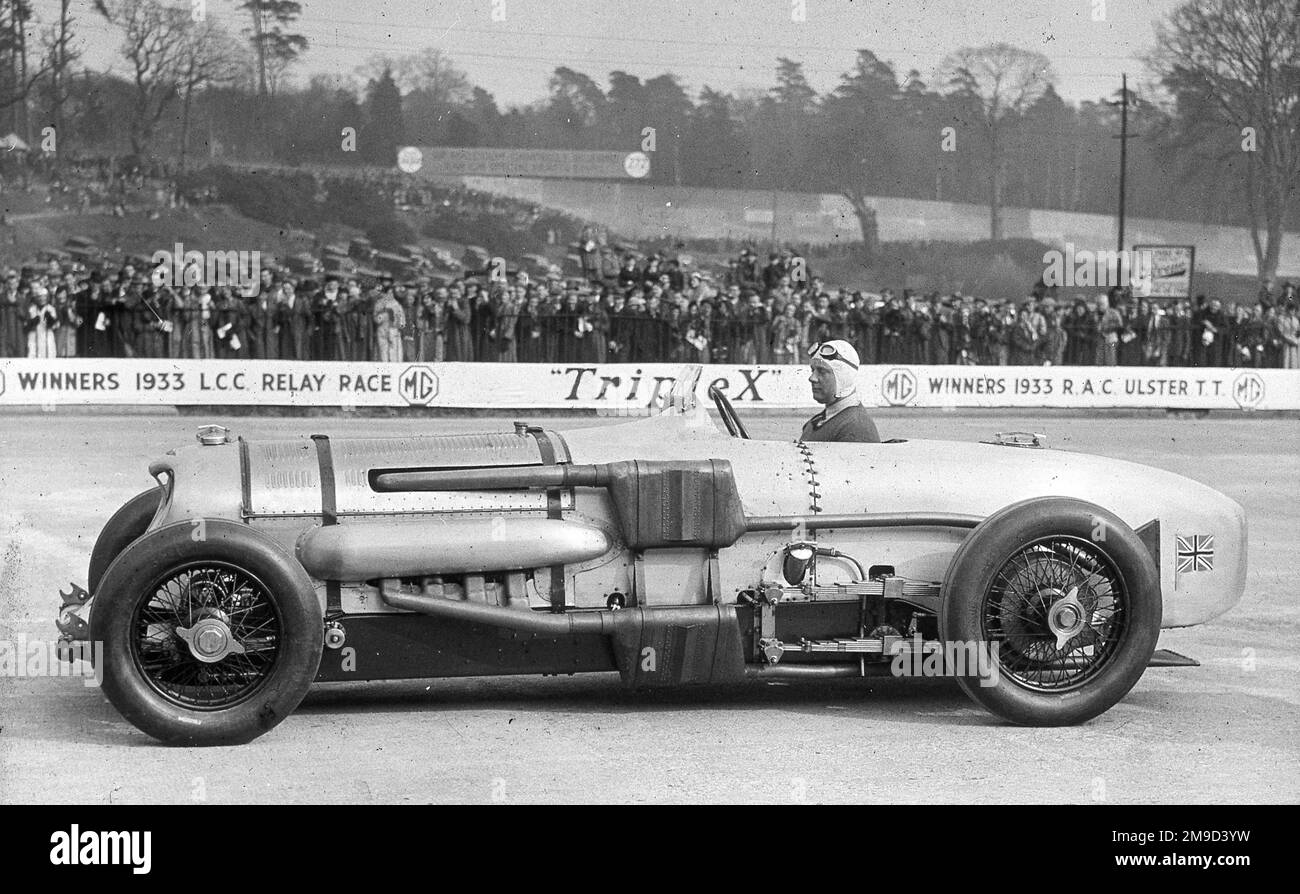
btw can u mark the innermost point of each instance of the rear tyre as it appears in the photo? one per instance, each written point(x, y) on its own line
point(125, 526)
point(211, 641)
point(1069, 596)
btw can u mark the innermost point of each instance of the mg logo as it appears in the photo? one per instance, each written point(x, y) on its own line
point(1248, 390)
point(418, 385)
point(898, 387)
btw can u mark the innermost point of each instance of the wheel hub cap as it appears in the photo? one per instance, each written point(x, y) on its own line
point(210, 640)
point(1065, 618)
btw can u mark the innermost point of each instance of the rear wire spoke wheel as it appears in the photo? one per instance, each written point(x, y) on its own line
point(1064, 600)
point(208, 642)
point(1057, 610)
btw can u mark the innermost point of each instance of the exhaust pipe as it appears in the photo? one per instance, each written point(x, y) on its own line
point(551, 624)
point(800, 671)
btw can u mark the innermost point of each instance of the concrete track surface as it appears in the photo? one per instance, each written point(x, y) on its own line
point(1224, 732)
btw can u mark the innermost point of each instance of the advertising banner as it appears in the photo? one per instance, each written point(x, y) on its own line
point(566, 163)
point(1170, 268)
point(628, 388)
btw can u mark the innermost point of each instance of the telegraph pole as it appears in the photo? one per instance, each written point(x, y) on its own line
point(1124, 136)
point(1123, 154)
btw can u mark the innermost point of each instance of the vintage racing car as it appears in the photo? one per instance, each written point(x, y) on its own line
point(662, 548)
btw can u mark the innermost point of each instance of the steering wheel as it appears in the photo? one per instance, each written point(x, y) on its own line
point(735, 427)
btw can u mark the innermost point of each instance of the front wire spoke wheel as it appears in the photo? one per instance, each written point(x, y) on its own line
point(191, 633)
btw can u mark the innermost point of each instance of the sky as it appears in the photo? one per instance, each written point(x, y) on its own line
point(510, 47)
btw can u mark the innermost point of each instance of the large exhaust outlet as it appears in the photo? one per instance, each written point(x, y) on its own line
point(652, 647)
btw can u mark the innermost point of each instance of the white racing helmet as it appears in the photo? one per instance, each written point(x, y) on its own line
point(841, 358)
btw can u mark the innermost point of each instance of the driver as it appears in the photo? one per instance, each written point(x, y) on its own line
point(834, 381)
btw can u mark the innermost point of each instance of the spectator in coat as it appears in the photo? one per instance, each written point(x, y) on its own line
point(390, 320)
point(1000, 334)
point(95, 327)
point(263, 342)
point(13, 311)
point(919, 331)
point(460, 341)
point(1056, 340)
point(1080, 335)
point(598, 313)
point(940, 342)
point(1023, 337)
point(1254, 335)
point(1129, 351)
point(964, 351)
point(146, 326)
point(894, 323)
point(528, 329)
point(293, 319)
point(756, 336)
point(1208, 328)
point(406, 297)
point(1155, 337)
point(431, 326)
point(1288, 329)
point(1180, 334)
point(42, 321)
point(1109, 326)
point(483, 322)
point(698, 326)
point(65, 336)
point(618, 337)
point(785, 331)
point(198, 310)
point(628, 274)
point(507, 324)
point(358, 323)
point(232, 318)
point(330, 342)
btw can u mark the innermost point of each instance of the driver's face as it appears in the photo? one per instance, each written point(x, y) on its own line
point(822, 380)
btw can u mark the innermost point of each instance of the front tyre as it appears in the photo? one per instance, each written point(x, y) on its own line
point(208, 641)
point(1061, 601)
point(127, 524)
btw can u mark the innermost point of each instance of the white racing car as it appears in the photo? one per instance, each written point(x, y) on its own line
point(663, 548)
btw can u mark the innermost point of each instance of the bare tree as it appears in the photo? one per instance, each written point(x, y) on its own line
point(154, 45)
point(430, 71)
point(1233, 67)
point(16, 79)
point(208, 57)
point(60, 54)
point(1006, 80)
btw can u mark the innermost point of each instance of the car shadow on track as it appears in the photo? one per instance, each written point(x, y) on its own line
point(929, 701)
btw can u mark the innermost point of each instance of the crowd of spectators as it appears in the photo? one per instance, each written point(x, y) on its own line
point(96, 184)
point(646, 310)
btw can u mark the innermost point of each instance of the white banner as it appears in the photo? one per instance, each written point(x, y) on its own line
point(623, 388)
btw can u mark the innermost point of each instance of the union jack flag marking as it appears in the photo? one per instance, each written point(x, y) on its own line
point(1196, 553)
